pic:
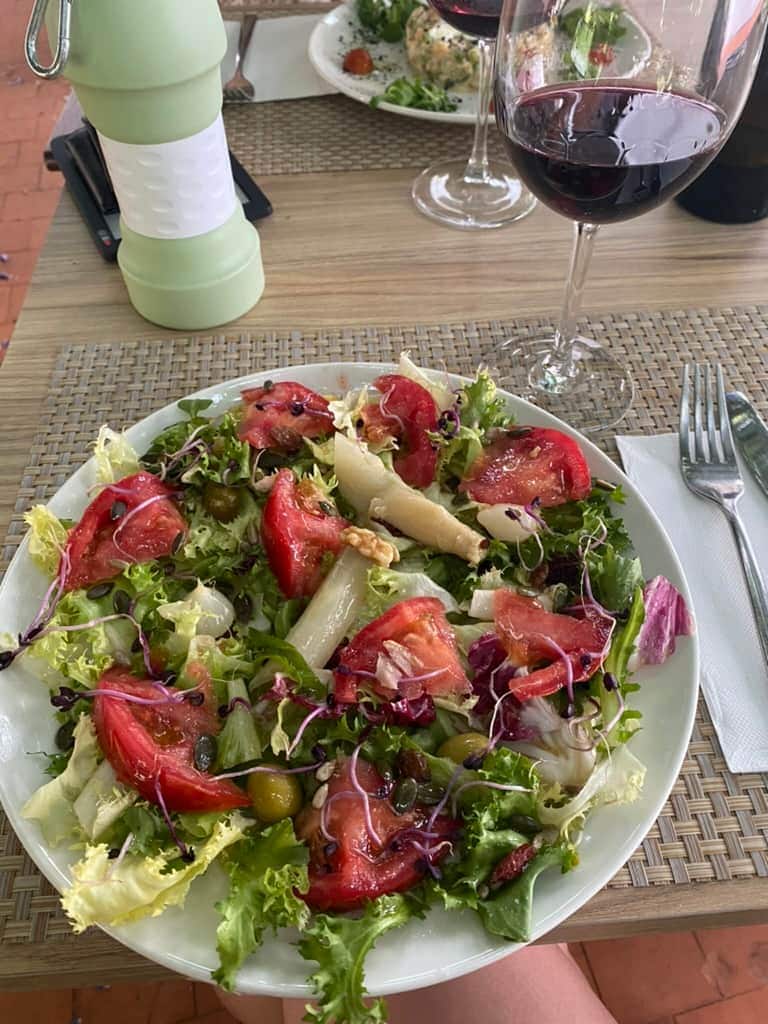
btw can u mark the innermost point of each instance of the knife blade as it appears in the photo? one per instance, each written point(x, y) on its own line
point(751, 435)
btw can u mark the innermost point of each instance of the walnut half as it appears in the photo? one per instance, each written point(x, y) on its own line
point(371, 545)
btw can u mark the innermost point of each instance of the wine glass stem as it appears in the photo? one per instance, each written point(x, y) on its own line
point(477, 165)
point(561, 361)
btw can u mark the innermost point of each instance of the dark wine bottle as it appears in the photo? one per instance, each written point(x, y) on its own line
point(734, 188)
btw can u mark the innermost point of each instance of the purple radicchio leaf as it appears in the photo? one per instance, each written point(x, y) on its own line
point(490, 682)
point(666, 617)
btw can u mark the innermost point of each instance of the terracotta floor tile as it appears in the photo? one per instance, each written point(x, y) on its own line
point(174, 1002)
point(650, 976)
point(747, 1008)
point(736, 959)
point(116, 1004)
point(206, 999)
point(219, 1017)
point(47, 1007)
point(576, 950)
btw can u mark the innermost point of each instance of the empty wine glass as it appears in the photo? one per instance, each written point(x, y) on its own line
point(478, 193)
point(607, 111)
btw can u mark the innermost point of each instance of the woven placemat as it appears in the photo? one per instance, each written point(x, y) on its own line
point(335, 133)
point(715, 824)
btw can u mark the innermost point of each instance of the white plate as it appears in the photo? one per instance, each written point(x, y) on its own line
point(424, 952)
point(340, 31)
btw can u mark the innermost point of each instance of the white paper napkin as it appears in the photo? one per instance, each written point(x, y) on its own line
point(276, 61)
point(734, 677)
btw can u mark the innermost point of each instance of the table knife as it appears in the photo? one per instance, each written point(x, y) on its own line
point(751, 435)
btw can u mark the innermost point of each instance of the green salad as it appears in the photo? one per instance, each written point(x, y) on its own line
point(367, 651)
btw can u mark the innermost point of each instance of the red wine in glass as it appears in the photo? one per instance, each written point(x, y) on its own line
point(473, 17)
point(599, 152)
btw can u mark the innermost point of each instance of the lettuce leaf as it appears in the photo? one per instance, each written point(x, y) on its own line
point(618, 779)
point(115, 456)
point(53, 804)
point(489, 817)
point(265, 872)
point(216, 452)
point(238, 741)
point(442, 394)
point(386, 587)
point(47, 537)
point(81, 655)
point(110, 893)
point(615, 579)
point(509, 912)
point(480, 410)
point(340, 945)
point(102, 801)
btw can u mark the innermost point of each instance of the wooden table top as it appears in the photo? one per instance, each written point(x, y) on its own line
point(345, 249)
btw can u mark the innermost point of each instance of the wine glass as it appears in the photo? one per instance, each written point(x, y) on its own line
point(608, 111)
point(478, 193)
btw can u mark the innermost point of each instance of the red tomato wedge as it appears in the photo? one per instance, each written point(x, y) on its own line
point(352, 868)
point(531, 635)
point(131, 521)
point(406, 412)
point(299, 537)
point(279, 416)
point(412, 650)
point(518, 468)
point(152, 746)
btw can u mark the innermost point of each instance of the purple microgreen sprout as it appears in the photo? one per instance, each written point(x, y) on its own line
point(324, 812)
point(271, 769)
point(187, 853)
point(125, 518)
point(127, 843)
point(566, 661)
point(440, 807)
point(501, 786)
point(364, 796)
point(386, 412)
point(66, 698)
point(226, 709)
point(449, 423)
point(320, 712)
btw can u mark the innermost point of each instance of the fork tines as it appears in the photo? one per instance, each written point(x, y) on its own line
point(710, 440)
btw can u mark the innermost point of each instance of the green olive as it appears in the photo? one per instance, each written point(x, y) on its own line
point(222, 502)
point(463, 745)
point(274, 795)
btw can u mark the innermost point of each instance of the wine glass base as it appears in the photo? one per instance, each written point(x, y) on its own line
point(595, 397)
point(443, 193)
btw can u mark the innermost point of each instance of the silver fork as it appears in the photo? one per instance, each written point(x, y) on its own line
point(709, 468)
point(238, 88)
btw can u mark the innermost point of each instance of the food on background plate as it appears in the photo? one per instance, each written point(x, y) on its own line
point(358, 62)
point(439, 53)
point(422, 62)
point(368, 651)
point(412, 92)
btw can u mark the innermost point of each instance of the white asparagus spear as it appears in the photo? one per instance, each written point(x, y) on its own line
point(334, 607)
point(381, 495)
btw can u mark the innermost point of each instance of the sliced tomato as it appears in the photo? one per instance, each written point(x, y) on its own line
point(529, 464)
point(408, 651)
point(299, 536)
point(353, 867)
point(151, 747)
point(406, 412)
point(280, 415)
point(532, 635)
point(131, 521)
